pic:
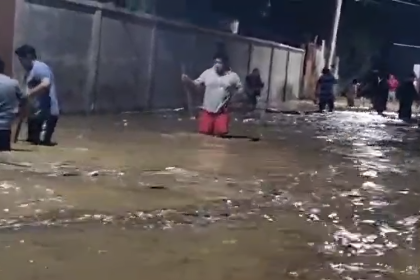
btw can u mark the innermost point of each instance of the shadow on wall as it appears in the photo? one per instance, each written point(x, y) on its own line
point(289, 93)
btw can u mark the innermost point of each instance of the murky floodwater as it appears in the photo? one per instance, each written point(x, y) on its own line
point(330, 196)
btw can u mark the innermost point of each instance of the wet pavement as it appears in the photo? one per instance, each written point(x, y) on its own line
point(320, 196)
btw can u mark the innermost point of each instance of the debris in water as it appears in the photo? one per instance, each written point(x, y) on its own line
point(385, 229)
point(70, 173)
point(405, 191)
point(93, 174)
point(370, 174)
point(157, 187)
point(268, 218)
point(352, 193)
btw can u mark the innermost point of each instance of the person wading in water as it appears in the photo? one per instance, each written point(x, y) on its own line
point(253, 87)
point(220, 83)
point(351, 93)
point(380, 94)
point(406, 94)
point(325, 90)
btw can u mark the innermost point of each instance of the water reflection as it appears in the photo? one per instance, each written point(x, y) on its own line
point(371, 225)
point(351, 177)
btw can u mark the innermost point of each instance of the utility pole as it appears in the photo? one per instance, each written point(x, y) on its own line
point(339, 4)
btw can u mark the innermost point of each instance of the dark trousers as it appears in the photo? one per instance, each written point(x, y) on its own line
point(379, 104)
point(35, 129)
point(405, 111)
point(5, 140)
point(40, 130)
point(324, 102)
point(252, 99)
point(49, 129)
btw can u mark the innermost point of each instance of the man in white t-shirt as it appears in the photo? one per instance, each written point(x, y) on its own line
point(221, 83)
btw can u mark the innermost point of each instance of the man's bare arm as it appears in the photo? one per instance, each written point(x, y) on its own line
point(239, 88)
point(22, 100)
point(199, 82)
point(43, 86)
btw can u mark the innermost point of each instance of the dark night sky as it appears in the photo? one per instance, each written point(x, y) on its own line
point(299, 20)
point(367, 28)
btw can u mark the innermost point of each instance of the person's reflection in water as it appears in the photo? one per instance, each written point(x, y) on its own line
point(406, 94)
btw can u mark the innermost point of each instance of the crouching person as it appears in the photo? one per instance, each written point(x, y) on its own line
point(220, 84)
point(11, 98)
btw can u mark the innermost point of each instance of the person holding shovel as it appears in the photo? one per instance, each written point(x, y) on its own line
point(11, 98)
point(220, 84)
point(44, 110)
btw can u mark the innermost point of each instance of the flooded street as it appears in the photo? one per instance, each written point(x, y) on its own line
point(332, 196)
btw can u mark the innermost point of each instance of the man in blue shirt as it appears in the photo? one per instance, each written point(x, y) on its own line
point(11, 98)
point(42, 96)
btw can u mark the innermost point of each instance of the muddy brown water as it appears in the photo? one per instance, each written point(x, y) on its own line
point(332, 196)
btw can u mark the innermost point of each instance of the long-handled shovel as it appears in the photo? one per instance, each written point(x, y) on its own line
point(22, 115)
point(17, 130)
point(188, 94)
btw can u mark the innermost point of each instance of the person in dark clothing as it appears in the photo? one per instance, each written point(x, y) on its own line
point(406, 94)
point(380, 94)
point(254, 85)
point(325, 90)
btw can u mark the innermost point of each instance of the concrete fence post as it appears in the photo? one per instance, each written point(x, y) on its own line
point(93, 62)
point(151, 67)
point(248, 67)
point(286, 77)
point(270, 73)
point(301, 93)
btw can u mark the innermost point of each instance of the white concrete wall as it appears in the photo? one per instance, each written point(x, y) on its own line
point(110, 60)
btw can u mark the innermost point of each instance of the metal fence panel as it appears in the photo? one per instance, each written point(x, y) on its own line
point(278, 78)
point(61, 38)
point(123, 65)
point(174, 54)
point(294, 74)
point(238, 52)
